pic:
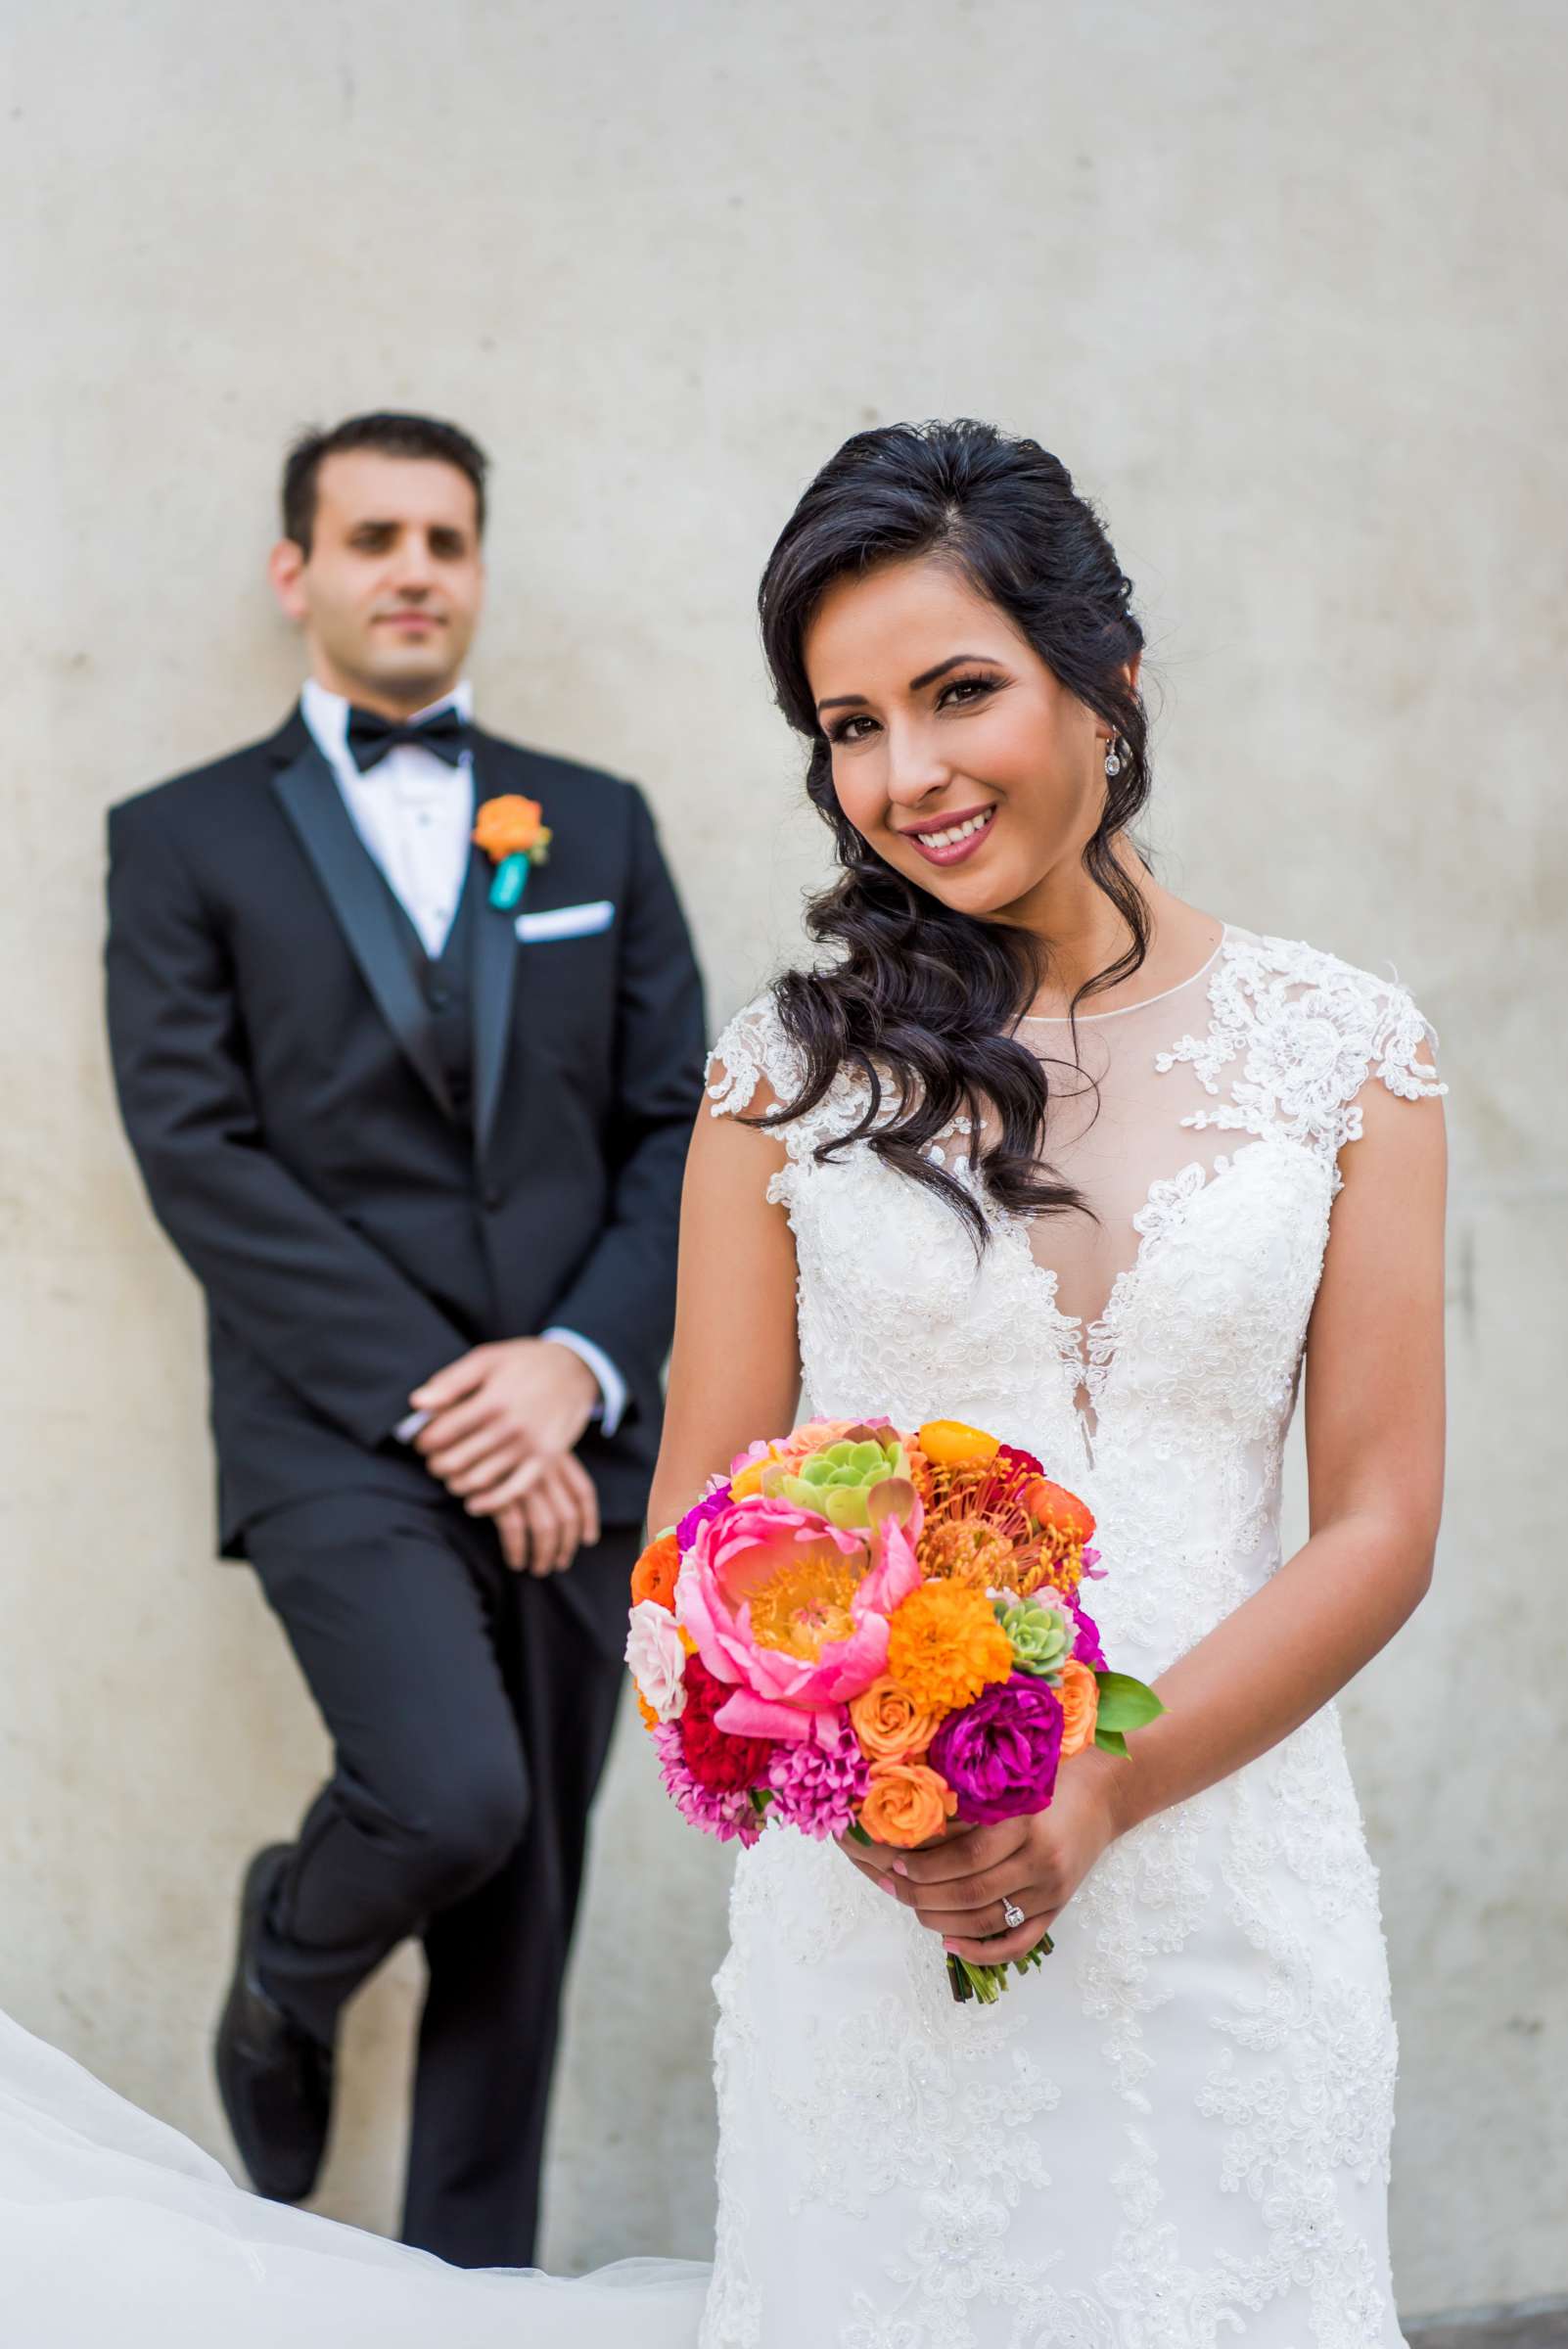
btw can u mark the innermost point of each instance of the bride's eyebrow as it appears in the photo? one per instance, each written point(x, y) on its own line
point(927, 677)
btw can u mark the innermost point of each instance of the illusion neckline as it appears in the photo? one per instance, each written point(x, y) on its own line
point(1059, 1019)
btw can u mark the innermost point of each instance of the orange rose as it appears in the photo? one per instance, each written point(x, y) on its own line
point(654, 1575)
point(890, 1725)
point(510, 826)
point(650, 1718)
point(905, 1802)
point(1080, 1694)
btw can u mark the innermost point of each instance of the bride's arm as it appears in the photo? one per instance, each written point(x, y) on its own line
point(1374, 1446)
point(734, 1370)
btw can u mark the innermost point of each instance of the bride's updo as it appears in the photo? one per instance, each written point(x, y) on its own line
point(920, 995)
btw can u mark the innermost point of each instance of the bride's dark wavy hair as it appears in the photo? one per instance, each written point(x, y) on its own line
point(920, 995)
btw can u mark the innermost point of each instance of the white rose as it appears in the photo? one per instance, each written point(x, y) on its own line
point(657, 1659)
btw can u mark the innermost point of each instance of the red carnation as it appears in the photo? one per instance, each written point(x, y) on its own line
point(720, 1762)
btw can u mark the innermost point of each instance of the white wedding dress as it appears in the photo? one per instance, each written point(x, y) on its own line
point(1177, 2134)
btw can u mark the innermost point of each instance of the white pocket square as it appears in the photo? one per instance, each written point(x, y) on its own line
point(565, 921)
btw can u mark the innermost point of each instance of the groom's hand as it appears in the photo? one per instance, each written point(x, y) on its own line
point(543, 1532)
point(498, 1407)
point(503, 1421)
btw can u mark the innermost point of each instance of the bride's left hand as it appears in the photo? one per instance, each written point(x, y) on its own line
point(958, 1887)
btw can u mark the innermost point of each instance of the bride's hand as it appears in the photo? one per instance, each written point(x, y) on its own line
point(958, 1887)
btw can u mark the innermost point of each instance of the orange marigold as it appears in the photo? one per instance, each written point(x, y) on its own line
point(944, 1645)
point(654, 1575)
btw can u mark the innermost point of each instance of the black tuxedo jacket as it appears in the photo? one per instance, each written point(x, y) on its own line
point(291, 1115)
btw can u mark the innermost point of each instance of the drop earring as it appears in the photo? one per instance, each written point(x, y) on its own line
point(1113, 757)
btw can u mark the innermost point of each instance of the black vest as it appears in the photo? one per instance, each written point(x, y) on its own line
point(445, 984)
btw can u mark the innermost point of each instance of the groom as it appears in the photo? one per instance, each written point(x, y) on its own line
point(424, 1155)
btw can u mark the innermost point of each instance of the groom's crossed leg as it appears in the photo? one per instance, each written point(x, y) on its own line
point(471, 1712)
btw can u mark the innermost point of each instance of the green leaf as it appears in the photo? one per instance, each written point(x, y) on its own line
point(1125, 1703)
point(1111, 1741)
point(856, 1832)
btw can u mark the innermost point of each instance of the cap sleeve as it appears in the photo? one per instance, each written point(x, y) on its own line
point(1295, 1038)
point(1393, 1046)
point(752, 1050)
point(1403, 1041)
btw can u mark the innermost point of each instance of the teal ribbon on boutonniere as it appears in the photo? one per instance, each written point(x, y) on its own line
point(512, 835)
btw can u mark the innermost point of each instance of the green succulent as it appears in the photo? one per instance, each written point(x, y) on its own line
point(1040, 1637)
point(838, 1481)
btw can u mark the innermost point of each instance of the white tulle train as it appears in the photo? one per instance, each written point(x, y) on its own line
point(113, 2228)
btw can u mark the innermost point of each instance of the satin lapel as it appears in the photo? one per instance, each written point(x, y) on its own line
point(495, 957)
point(362, 903)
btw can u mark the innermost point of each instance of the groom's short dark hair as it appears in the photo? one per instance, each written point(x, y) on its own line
point(396, 436)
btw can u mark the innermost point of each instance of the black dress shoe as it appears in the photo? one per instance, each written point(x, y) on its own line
point(274, 2078)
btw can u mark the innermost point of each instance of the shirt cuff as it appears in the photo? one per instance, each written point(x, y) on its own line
point(612, 1386)
point(407, 1429)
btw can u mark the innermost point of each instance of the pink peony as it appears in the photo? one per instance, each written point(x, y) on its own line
point(791, 1611)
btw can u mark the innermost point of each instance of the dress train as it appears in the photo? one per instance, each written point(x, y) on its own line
point(113, 2228)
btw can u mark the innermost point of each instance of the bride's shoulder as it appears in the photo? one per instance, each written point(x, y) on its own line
point(1302, 995)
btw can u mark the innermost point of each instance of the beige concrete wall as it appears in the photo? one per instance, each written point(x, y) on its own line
point(1279, 285)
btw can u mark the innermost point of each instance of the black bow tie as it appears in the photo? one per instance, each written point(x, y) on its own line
point(370, 737)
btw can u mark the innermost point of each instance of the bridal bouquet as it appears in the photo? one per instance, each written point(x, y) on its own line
point(870, 1633)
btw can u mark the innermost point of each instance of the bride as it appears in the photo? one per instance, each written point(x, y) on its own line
point(1042, 1147)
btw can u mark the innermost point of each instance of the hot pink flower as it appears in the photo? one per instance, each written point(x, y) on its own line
point(791, 1611)
point(819, 1783)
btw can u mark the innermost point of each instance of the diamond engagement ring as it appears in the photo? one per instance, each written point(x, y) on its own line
point(1012, 1915)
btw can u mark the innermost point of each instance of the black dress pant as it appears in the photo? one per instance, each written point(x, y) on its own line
point(471, 1709)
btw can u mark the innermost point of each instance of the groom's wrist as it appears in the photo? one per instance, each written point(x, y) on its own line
point(611, 1406)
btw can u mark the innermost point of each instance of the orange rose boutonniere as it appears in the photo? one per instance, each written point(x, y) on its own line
point(512, 835)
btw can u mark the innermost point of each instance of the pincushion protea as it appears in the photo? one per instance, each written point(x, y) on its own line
point(993, 1518)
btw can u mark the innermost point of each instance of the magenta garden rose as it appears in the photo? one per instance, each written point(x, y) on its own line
point(999, 1754)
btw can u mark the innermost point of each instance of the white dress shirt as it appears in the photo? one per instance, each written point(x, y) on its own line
point(415, 815)
point(412, 810)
